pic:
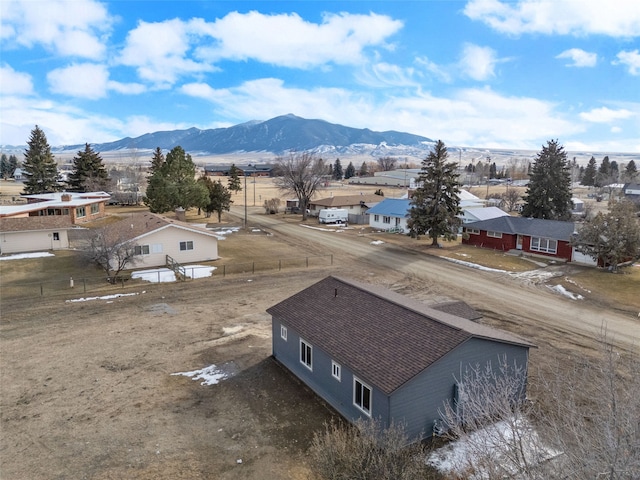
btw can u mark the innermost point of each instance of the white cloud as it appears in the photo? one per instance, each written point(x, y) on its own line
point(87, 80)
point(631, 59)
point(478, 62)
point(160, 51)
point(76, 28)
point(615, 18)
point(605, 115)
point(579, 57)
point(288, 40)
point(14, 83)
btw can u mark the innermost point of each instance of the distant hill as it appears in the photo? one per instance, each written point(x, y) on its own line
point(278, 135)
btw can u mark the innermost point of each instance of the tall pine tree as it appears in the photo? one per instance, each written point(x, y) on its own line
point(234, 183)
point(350, 171)
point(589, 174)
point(337, 170)
point(40, 168)
point(157, 161)
point(435, 204)
point(548, 195)
point(174, 184)
point(630, 171)
point(89, 173)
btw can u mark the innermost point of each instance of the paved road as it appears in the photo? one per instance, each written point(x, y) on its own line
point(532, 307)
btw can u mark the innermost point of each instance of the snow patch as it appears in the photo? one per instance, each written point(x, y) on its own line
point(20, 256)
point(104, 297)
point(474, 265)
point(376, 242)
point(563, 291)
point(210, 375)
point(162, 275)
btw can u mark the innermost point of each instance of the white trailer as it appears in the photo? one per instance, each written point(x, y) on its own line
point(333, 215)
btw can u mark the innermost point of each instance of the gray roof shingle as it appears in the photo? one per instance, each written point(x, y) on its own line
point(536, 227)
point(384, 337)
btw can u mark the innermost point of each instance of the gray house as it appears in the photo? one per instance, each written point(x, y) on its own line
point(372, 353)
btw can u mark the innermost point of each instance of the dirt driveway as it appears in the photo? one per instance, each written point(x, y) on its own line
point(87, 390)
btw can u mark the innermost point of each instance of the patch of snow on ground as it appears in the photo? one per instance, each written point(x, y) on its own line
point(231, 330)
point(225, 231)
point(20, 256)
point(563, 291)
point(162, 275)
point(104, 297)
point(534, 275)
point(500, 441)
point(210, 375)
point(377, 242)
point(474, 265)
point(158, 275)
point(199, 271)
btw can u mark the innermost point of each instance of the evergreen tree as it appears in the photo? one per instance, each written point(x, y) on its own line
point(13, 164)
point(234, 183)
point(493, 170)
point(40, 169)
point(614, 172)
point(630, 171)
point(548, 195)
point(4, 166)
point(435, 204)
point(337, 170)
point(590, 172)
point(350, 171)
point(603, 177)
point(364, 170)
point(174, 184)
point(219, 197)
point(89, 173)
point(157, 161)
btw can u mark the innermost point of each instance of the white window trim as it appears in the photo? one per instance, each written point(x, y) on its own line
point(141, 249)
point(283, 332)
point(491, 234)
point(307, 362)
point(473, 231)
point(543, 245)
point(336, 370)
point(186, 246)
point(360, 407)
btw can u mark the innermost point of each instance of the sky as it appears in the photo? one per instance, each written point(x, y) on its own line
point(477, 73)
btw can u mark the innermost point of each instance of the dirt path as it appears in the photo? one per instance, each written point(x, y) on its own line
point(531, 309)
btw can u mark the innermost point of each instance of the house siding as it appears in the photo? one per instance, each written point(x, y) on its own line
point(564, 250)
point(205, 247)
point(417, 404)
point(507, 242)
point(338, 394)
point(33, 241)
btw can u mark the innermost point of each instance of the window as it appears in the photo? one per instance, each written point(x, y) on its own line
point(494, 234)
point(56, 235)
point(335, 370)
point(283, 332)
point(80, 212)
point(95, 208)
point(376, 218)
point(186, 245)
point(397, 221)
point(545, 245)
point(362, 396)
point(305, 354)
point(386, 219)
point(473, 231)
point(141, 250)
point(156, 248)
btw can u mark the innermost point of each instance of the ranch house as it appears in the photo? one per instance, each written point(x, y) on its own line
point(373, 353)
point(550, 238)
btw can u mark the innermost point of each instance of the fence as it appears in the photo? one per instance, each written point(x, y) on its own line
point(100, 285)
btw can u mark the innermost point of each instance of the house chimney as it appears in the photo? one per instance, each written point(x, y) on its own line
point(65, 197)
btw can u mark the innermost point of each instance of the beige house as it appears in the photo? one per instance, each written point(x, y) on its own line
point(32, 234)
point(156, 236)
point(354, 204)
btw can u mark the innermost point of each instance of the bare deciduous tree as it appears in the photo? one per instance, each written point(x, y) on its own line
point(111, 248)
point(300, 174)
point(271, 205)
point(386, 163)
point(511, 198)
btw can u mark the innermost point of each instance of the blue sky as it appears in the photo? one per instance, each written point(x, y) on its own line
point(477, 73)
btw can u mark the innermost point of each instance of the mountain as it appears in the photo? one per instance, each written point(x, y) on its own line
point(278, 135)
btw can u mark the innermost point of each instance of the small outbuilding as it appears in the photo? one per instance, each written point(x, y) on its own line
point(372, 353)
